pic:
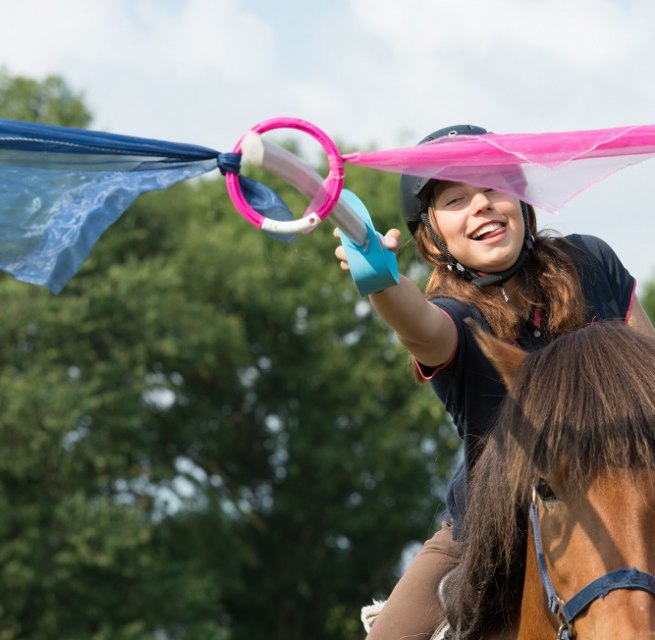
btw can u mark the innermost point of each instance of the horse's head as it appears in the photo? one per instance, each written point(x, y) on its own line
point(575, 437)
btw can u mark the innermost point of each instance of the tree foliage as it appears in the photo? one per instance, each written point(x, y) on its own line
point(207, 434)
point(50, 101)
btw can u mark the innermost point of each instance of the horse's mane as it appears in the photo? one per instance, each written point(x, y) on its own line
point(587, 400)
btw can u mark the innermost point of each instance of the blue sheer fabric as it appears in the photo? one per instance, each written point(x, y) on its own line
point(61, 188)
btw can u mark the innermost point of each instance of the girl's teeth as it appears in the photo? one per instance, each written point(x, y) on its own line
point(486, 229)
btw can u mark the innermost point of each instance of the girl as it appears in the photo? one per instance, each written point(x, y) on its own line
point(489, 264)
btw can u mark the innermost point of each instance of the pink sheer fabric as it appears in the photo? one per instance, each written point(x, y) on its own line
point(544, 169)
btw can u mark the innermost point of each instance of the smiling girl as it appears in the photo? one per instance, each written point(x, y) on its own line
point(488, 264)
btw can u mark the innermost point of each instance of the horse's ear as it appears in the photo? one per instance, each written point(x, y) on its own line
point(505, 357)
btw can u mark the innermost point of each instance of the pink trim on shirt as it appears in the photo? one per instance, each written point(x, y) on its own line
point(632, 300)
point(426, 372)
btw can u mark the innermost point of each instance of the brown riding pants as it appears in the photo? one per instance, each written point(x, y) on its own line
point(413, 610)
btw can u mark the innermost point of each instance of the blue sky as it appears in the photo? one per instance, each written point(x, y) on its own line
point(366, 71)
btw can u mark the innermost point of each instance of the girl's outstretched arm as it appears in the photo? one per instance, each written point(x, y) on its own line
point(427, 332)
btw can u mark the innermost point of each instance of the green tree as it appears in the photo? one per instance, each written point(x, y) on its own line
point(208, 434)
point(50, 101)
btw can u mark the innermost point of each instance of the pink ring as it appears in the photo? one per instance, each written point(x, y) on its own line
point(332, 184)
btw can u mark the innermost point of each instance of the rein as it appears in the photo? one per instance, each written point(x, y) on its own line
point(567, 612)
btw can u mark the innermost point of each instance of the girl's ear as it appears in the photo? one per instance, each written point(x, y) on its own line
point(505, 357)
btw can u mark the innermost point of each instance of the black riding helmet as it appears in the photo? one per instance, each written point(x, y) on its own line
point(414, 192)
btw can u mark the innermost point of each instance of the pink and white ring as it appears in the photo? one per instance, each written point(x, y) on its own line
point(323, 202)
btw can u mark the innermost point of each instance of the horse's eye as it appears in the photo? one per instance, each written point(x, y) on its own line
point(544, 491)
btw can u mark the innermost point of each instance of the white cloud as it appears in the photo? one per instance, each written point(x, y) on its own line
point(207, 37)
point(145, 71)
point(366, 70)
point(201, 36)
point(585, 33)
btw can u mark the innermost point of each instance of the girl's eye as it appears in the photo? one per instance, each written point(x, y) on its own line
point(453, 199)
point(456, 199)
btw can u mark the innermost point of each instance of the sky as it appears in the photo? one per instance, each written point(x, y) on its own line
point(368, 72)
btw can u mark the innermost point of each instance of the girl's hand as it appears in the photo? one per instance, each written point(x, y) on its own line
point(391, 242)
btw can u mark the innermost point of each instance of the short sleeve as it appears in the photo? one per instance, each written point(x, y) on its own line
point(607, 285)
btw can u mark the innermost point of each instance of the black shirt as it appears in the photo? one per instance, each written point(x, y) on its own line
point(468, 384)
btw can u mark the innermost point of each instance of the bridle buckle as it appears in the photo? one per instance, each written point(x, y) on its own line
point(565, 631)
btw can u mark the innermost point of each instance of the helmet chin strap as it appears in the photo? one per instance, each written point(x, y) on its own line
point(500, 277)
point(477, 278)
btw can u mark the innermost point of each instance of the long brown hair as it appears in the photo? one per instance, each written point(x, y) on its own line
point(552, 284)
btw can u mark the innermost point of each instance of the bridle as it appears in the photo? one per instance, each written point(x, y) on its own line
point(567, 612)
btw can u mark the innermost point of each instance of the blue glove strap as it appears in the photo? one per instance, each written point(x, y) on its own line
point(373, 267)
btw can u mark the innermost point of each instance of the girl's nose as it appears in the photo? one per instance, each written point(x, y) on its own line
point(480, 202)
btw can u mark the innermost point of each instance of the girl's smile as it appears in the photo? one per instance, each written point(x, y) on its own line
point(489, 230)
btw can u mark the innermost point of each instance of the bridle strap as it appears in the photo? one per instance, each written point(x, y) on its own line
point(567, 612)
point(555, 603)
point(599, 588)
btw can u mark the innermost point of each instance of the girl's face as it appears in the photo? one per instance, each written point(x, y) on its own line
point(482, 228)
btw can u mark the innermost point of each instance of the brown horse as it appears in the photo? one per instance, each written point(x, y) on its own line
point(559, 535)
